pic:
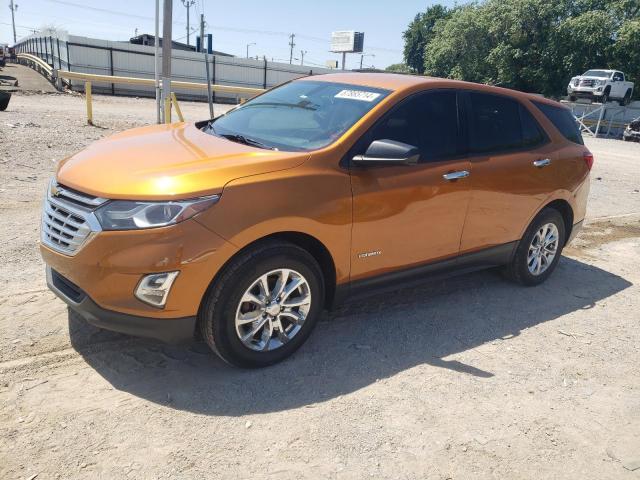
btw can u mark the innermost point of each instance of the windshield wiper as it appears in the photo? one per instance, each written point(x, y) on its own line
point(302, 105)
point(236, 137)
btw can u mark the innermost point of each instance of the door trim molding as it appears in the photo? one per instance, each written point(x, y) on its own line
point(412, 276)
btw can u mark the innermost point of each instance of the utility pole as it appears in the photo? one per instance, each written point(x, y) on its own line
point(202, 47)
point(291, 44)
point(14, 9)
point(156, 61)
point(166, 59)
point(188, 4)
point(206, 66)
point(302, 52)
point(362, 55)
point(248, 45)
point(344, 59)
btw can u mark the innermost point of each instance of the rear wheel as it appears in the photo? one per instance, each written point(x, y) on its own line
point(263, 306)
point(539, 250)
point(626, 100)
point(4, 100)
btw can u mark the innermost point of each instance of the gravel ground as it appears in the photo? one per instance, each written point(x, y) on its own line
point(471, 377)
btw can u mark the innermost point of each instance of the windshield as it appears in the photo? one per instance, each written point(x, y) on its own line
point(297, 116)
point(597, 73)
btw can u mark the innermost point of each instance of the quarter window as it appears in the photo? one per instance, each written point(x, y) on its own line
point(563, 120)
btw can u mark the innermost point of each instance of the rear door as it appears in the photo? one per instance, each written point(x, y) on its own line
point(408, 215)
point(514, 170)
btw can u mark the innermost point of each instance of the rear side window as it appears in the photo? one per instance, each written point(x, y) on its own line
point(563, 120)
point(532, 133)
point(495, 123)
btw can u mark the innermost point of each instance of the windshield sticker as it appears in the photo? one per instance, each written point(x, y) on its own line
point(361, 95)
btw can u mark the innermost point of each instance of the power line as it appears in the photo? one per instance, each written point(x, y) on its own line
point(216, 27)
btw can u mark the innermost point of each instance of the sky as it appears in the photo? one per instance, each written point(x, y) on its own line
point(234, 24)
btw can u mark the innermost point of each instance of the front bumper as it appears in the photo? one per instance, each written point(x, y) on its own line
point(585, 92)
point(631, 134)
point(174, 330)
point(110, 264)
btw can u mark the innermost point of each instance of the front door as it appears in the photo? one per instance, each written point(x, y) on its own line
point(404, 216)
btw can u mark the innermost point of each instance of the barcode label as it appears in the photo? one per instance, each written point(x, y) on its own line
point(361, 95)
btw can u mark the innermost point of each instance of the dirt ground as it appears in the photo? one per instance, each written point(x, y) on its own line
point(472, 377)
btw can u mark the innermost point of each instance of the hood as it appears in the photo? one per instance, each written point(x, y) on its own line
point(161, 162)
point(582, 77)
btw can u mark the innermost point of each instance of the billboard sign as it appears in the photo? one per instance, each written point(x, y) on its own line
point(347, 41)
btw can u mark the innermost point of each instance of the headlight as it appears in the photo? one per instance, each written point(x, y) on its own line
point(131, 215)
point(600, 82)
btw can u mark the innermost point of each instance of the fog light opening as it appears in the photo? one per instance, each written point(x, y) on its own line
point(154, 288)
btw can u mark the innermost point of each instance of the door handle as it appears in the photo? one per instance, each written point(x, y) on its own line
point(455, 175)
point(543, 162)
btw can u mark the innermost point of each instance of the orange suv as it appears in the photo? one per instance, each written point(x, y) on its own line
point(245, 227)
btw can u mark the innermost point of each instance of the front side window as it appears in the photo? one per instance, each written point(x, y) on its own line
point(298, 116)
point(618, 77)
point(428, 121)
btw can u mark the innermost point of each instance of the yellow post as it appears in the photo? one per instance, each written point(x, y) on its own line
point(167, 110)
point(87, 92)
point(177, 107)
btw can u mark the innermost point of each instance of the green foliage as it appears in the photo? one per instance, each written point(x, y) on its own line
point(529, 45)
point(398, 68)
point(419, 33)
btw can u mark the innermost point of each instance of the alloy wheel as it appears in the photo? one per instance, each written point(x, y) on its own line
point(543, 249)
point(273, 309)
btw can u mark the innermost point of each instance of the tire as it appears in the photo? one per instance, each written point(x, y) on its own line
point(223, 303)
point(4, 101)
point(626, 100)
point(605, 97)
point(572, 98)
point(519, 268)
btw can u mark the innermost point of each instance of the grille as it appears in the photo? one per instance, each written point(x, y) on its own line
point(67, 219)
point(587, 83)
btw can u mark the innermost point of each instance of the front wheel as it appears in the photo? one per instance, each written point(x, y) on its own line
point(539, 250)
point(263, 306)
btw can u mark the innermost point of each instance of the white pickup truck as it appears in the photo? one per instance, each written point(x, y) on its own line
point(602, 86)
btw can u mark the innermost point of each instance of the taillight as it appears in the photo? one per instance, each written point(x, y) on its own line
point(588, 159)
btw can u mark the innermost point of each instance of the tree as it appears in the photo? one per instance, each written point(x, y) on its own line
point(586, 41)
point(398, 68)
point(419, 33)
point(626, 52)
point(456, 46)
point(531, 45)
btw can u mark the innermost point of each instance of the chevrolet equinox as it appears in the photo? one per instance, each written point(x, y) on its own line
point(247, 226)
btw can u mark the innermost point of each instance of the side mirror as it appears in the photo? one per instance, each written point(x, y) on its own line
point(388, 152)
